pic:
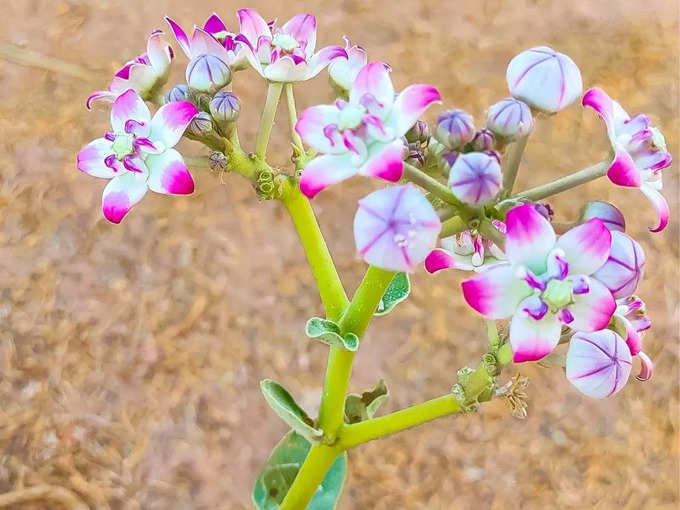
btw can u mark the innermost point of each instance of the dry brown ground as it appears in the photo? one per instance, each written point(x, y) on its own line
point(130, 356)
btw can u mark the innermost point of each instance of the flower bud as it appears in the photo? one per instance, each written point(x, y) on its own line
point(484, 140)
point(475, 178)
point(225, 108)
point(419, 133)
point(177, 93)
point(455, 128)
point(342, 72)
point(201, 125)
point(415, 155)
point(609, 215)
point(544, 79)
point(510, 119)
point(624, 268)
point(208, 73)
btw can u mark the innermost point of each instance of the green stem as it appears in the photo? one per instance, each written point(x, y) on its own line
point(267, 120)
point(432, 185)
point(317, 463)
point(453, 226)
point(513, 162)
point(570, 181)
point(292, 115)
point(362, 432)
point(488, 230)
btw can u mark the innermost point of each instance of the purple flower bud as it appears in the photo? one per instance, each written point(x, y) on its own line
point(419, 133)
point(544, 79)
point(177, 93)
point(455, 128)
point(208, 73)
point(610, 215)
point(225, 107)
point(510, 119)
point(484, 140)
point(416, 155)
point(544, 210)
point(475, 178)
point(201, 125)
point(624, 268)
point(598, 363)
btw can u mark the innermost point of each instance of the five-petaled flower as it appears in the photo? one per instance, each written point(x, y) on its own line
point(546, 282)
point(343, 72)
point(362, 135)
point(138, 155)
point(286, 53)
point(145, 74)
point(639, 150)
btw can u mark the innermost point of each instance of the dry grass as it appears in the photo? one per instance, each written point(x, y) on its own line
point(130, 355)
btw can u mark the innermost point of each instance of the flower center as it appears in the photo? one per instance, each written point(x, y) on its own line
point(557, 294)
point(286, 42)
point(350, 117)
point(123, 145)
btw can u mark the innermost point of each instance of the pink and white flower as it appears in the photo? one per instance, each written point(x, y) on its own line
point(286, 53)
point(546, 282)
point(467, 251)
point(395, 228)
point(363, 135)
point(342, 71)
point(475, 178)
point(598, 363)
point(639, 151)
point(630, 321)
point(146, 74)
point(138, 153)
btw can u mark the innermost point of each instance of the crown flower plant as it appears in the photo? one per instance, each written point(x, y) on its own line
point(445, 199)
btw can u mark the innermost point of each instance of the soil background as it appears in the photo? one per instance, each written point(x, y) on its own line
point(130, 355)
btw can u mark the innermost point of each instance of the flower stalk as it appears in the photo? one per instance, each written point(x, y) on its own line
point(570, 181)
point(267, 120)
point(514, 159)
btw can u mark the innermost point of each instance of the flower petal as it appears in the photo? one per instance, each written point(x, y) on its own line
point(303, 29)
point(202, 43)
point(91, 159)
point(129, 106)
point(593, 310)
point(586, 247)
point(180, 35)
point(410, 104)
point(214, 25)
point(168, 174)
point(315, 126)
point(373, 79)
point(624, 267)
point(253, 26)
point(325, 170)
point(286, 70)
point(384, 161)
point(324, 57)
point(610, 111)
point(441, 259)
point(529, 238)
point(495, 292)
point(100, 95)
point(159, 53)
point(533, 339)
point(659, 203)
point(623, 171)
point(170, 121)
point(121, 193)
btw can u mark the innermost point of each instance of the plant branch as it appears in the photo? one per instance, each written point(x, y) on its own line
point(570, 181)
point(453, 226)
point(513, 162)
point(267, 120)
point(292, 115)
point(432, 185)
point(30, 58)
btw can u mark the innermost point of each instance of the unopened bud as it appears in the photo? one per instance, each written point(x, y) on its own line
point(225, 108)
point(510, 119)
point(455, 128)
point(484, 140)
point(201, 125)
point(208, 73)
point(609, 215)
point(177, 93)
point(419, 133)
point(623, 270)
point(475, 178)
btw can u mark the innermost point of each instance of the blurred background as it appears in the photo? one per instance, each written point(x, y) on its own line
point(130, 355)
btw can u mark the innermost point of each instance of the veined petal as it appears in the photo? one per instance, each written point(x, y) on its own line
point(374, 79)
point(315, 126)
point(169, 174)
point(623, 170)
point(611, 112)
point(180, 35)
point(533, 339)
point(91, 159)
point(324, 57)
point(303, 29)
point(409, 105)
point(121, 193)
point(529, 238)
point(325, 170)
point(586, 247)
point(659, 203)
point(495, 292)
point(384, 161)
point(129, 106)
point(253, 26)
point(593, 310)
point(170, 121)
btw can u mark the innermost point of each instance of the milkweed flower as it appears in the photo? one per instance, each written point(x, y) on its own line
point(509, 119)
point(363, 135)
point(598, 363)
point(475, 178)
point(467, 251)
point(544, 79)
point(546, 283)
point(138, 153)
point(395, 228)
point(342, 72)
point(612, 218)
point(286, 53)
point(639, 151)
point(146, 74)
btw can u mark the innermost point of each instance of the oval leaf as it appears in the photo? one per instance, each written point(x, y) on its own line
point(399, 289)
point(281, 469)
point(285, 406)
point(328, 332)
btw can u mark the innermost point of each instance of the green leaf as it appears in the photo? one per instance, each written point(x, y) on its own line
point(328, 332)
point(363, 407)
point(285, 406)
point(281, 469)
point(504, 354)
point(398, 290)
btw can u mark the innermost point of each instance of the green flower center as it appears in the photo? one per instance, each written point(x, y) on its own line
point(557, 294)
point(122, 145)
point(350, 117)
point(285, 42)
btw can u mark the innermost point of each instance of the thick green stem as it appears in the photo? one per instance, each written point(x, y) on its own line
point(432, 185)
point(317, 463)
point(570, 181)
point(488, 230)
point(362, 432)
point(292, 115)
point(267, 120)
point(453, 226)
point(513, 162)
